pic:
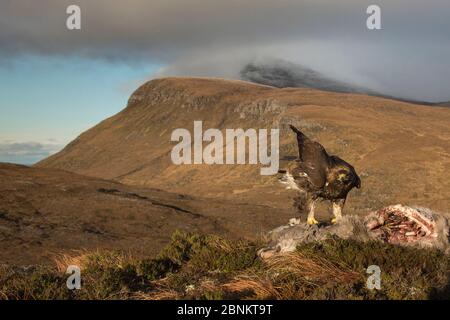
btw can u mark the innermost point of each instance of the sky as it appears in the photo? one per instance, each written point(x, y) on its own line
point(55, 83)
point(48, 101)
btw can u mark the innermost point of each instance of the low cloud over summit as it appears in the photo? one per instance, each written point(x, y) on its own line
point(407, 58)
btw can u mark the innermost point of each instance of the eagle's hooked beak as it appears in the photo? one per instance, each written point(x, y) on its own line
point(358, 182)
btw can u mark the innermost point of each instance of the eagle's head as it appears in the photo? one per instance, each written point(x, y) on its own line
point(340, 179)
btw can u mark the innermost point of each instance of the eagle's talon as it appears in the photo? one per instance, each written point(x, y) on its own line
point(312, 221)
point(334, 220)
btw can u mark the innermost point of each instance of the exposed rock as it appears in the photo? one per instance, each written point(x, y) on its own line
point(399, 225)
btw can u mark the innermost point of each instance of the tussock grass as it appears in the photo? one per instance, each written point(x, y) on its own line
point(317, 270)
point(253, 286)
point(194, 266)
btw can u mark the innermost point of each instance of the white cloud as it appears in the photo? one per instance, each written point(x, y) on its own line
point(26, 152)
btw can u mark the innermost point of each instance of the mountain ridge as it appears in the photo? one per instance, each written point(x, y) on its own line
point(387, 140)
point(284, 74)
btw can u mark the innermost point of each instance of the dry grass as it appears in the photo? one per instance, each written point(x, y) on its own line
point(84, 258)
point(314, 270)
point(282, 275)
point(74, 258)
point(161, 291)
point(259, 287)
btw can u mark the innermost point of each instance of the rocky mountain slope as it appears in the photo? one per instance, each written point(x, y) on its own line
point(400, 150)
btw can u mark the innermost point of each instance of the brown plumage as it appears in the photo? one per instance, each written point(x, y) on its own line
point(318, 175)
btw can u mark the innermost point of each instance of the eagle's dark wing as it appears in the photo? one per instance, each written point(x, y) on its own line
point(314, 160)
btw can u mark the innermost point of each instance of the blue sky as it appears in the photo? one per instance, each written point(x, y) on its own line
point(50, 100)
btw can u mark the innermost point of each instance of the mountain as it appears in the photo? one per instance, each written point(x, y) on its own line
point(399, 149)
point(283, 74)
point(444, 104)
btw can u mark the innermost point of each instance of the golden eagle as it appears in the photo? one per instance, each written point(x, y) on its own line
point(318, 175)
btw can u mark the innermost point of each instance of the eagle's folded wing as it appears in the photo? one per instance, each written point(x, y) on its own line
point(314, 160)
